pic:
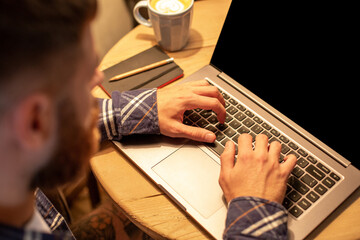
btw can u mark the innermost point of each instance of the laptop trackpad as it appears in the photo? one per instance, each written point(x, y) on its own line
point(194, 175)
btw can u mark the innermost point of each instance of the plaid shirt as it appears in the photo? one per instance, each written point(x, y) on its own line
point(56, 222)
point(255, 218)
point(135, 112)
point(132, 112)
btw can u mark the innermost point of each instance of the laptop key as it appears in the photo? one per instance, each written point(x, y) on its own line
point(219, 136)
point(228, 118)
point(187, 122)
point(250, 114)
point(334, 176)
point(257, 119)
point(188, 112)
point(217, 147)
point(302, 162)
point(212, 119)
point(320, 189)
point(225, 96)
point(304, 204)
point(298, 172)
point(302, 152)
point(206, 113)
point(231, 110)
point(233, 102)
point(229, 132)
point(221, 126)
point(266, 126)
point(274, 132)
point(313, 197)
point(309, 180)
point(243, 129)
point(248, 122)
point(297, 185)
point(235, 124)
point(293, 146)
point(287, 203)
point(194, 117)
point(328, 182)
point(284, 149)
point(288, 189)
point(240, 116)
point(323, 168)
point(241, 107)
point(294, 196)
point(211, 128)
point(311, 159)
point(315, 172)
point(296, 211)
point(284, 139)
point(257, 129)
point(202, 123)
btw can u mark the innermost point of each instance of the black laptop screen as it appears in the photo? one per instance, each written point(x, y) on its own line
point(300, 59)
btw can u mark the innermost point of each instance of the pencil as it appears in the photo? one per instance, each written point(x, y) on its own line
point(142, 69)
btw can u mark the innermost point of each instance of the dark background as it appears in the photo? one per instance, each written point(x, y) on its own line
point(305, 58)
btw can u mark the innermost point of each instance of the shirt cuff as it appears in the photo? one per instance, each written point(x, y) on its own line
point(252, 217)
point(130, 112)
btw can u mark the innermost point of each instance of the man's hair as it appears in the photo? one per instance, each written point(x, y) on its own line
point(34, 31)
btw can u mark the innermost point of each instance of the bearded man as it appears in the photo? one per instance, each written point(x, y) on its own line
point(49, 125)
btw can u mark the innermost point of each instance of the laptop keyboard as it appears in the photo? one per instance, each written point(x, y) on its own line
point(309, 180)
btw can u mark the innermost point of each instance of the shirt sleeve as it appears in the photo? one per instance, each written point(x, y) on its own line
point(130, 112)
point(255, 218)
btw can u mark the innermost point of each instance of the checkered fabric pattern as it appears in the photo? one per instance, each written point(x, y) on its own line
point(130, 112)
point(255, 218)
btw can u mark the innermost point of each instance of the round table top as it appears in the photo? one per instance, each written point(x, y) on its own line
point(138, 197)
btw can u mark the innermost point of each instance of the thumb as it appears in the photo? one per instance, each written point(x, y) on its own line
point(196, 133)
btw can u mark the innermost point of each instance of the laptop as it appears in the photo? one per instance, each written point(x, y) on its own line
point(285, 71)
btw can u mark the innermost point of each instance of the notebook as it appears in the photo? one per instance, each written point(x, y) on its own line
point(154, 78)
point(285, 70)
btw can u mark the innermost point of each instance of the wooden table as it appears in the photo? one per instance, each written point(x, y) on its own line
point(147, 206)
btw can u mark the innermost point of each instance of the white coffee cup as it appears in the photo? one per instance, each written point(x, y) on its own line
point(170, 19)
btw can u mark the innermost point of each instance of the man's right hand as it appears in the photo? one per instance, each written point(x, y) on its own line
point(173, 101)
point(257, 172)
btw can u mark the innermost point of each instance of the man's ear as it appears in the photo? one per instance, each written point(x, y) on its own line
point(34, 121)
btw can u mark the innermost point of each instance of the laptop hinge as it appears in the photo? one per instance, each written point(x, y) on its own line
point(224, 77)
point(229, 80)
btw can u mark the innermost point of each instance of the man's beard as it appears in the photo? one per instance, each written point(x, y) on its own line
point(73, 149)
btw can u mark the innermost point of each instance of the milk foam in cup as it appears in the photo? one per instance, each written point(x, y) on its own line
point(170, 6)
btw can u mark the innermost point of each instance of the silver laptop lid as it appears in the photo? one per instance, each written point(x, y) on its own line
point(300, 59)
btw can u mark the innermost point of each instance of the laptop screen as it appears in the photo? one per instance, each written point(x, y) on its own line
point(301, 60)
